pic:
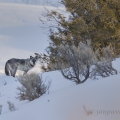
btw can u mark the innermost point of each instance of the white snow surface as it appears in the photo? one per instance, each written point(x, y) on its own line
point(65, 101)
point(20, 37)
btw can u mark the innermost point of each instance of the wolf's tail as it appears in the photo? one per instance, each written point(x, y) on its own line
point(6, 69)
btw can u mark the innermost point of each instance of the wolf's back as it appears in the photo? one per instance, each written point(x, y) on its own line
point(6, 69)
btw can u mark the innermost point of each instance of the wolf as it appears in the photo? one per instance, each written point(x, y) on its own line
point(14, 64)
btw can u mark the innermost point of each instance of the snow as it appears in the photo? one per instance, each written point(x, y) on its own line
point(65, 101)
point(20, 37)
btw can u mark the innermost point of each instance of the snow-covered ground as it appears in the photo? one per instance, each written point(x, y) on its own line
point(66, 101)
point(20, 37)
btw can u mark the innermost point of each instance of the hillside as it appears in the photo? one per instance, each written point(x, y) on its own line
point(65, 101)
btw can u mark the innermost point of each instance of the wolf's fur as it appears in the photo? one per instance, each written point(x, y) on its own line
point(14, 64)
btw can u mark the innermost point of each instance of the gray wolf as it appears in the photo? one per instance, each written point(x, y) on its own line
point(14, 64)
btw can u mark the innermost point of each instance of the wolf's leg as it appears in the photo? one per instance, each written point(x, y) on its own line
point(10, 72)
point(14, 71)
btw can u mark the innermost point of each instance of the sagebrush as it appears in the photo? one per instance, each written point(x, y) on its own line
point(80, 63)
point(11, 106)
point(32, 87)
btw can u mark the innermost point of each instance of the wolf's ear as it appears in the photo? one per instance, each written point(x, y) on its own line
point(38, 55)
point(31, 57)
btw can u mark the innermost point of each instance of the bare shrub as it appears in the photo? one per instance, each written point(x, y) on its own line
point(32, 87)
point(81, 63)
point(1, 109)
point(79, 59)
point(104, 68)
point(88, 112)
point(11, 106)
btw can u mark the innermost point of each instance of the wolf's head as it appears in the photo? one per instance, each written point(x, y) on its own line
point(33, 60)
